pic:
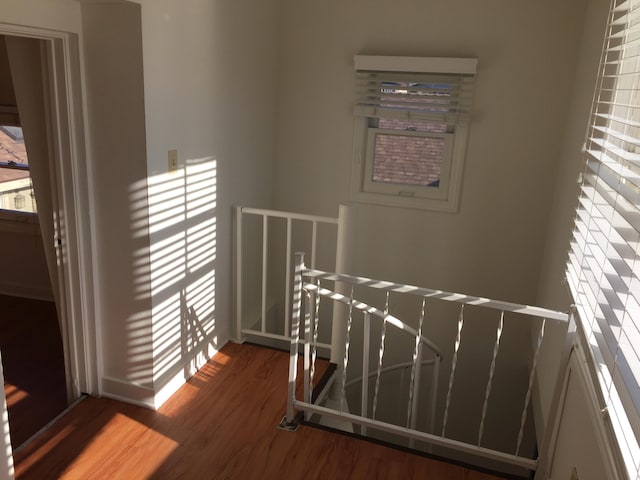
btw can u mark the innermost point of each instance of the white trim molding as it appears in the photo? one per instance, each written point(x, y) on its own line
point(382, 63)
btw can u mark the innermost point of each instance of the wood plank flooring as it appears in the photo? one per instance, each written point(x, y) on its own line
point(220, 425)
point(33, 364)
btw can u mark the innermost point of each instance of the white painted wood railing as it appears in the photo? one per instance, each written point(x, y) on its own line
point(307, 283)
point(295, 222)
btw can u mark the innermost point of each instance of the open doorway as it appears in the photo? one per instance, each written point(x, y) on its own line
point(65, 228)
point(30, 338)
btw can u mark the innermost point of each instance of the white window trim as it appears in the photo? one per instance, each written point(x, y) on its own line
point(445, 197)
point(20, 222)
point(602, 280)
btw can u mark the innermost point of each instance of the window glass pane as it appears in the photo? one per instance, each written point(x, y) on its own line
point(416, 96)
point(16, 189)
point(408, 160)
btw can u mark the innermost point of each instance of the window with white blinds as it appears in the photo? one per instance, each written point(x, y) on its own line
point(412, 116)
point(439, 98)
point(604, 259)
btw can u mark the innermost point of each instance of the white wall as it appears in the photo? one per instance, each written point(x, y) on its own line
point(112, 44)
point(24, 272)
point(526, 54)
point(63, 15)
point(553, 292)
point(209, 70)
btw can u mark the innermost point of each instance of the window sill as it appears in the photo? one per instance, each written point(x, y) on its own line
point(437, 205)
point(19, 223)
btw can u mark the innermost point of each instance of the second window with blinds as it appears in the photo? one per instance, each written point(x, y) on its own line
point(412, 116)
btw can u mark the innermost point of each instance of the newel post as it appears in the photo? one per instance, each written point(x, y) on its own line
point(343, 257)
point(289, 422)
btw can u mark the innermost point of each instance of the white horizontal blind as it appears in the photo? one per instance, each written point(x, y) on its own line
point(438, 98)
point(441, 97)
point(603, 262)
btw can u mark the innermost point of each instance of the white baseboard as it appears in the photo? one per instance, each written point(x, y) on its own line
point(154, 398)
point(128, 392)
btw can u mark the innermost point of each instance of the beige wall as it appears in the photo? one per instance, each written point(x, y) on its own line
point(553, 292)
point(24, 272)
point(195, 77)
point(209, 76)
point(112, 45)
point(63, 15)
point(526, 58)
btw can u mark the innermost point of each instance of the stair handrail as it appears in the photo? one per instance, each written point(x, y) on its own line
point(395, 321)
point(439, 294)
point(305, 406)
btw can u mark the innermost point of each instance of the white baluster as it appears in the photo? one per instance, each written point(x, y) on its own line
point(295, 332)
point(263, 303)
point(316, 309)
point(346, 352)
point(453, 369)
point(307, 349)
point(532, 375)
point(366, 336)
point(381, 354)
point(490, 381)
point(287, 280)
point(416, 368)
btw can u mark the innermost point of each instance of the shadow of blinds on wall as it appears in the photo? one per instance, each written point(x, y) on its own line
point(604, 261)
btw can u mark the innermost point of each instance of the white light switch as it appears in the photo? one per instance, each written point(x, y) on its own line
point(173, 160)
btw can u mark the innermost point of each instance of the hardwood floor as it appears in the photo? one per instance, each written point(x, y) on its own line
point(33, 364)
point(220, 425)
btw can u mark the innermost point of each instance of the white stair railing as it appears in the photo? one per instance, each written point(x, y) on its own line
point(307, 282)
point(412, 410)
point(294, 223)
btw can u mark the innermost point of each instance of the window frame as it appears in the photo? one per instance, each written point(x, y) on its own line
point(602, 269)
point(446, 196)
point(403, 189)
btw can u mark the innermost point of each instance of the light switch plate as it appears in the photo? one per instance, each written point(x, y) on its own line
point(173, 160)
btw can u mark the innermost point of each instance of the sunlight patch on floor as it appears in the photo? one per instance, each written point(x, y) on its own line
point(14, 394)
point(130, 454)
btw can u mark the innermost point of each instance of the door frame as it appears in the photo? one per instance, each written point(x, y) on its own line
point(70, 188)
